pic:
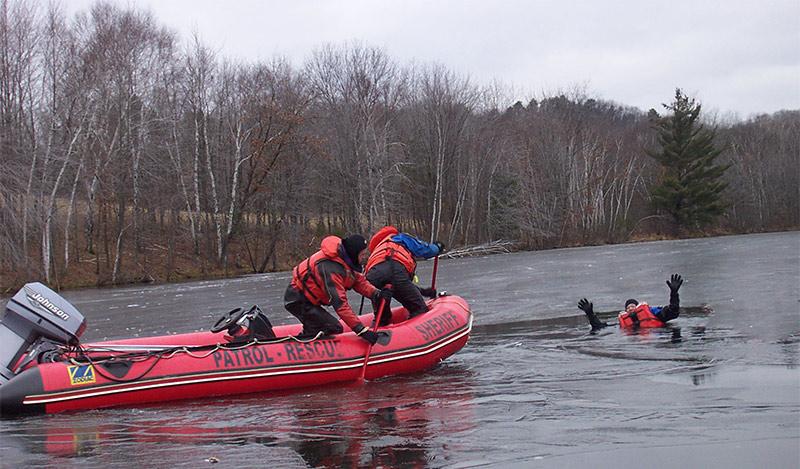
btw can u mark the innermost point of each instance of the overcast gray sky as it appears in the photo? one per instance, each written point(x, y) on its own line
point(735, 56)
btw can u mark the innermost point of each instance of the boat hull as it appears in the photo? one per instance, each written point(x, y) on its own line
point(204, 364)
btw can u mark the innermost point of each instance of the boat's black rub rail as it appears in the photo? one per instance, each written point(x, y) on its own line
point(14, 393)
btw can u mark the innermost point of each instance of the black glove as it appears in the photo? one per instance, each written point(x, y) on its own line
point(439, 245)
point(588, 308)
point(429, 292)
point(382, 294)
point(366, 334)
point(369, 336)
point(674, 283)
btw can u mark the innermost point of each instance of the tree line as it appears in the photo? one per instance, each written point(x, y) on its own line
point(129, 154)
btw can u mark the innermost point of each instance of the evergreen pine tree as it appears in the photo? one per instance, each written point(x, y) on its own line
point(691, 187)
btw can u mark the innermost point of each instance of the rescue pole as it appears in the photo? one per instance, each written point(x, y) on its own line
point(369, 347)
point(435, 269)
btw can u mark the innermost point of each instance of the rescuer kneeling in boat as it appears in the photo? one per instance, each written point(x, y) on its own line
point(392, 263)
point(323, 279)
point(640, 315)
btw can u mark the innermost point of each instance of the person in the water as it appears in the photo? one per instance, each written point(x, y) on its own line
point(640, 315)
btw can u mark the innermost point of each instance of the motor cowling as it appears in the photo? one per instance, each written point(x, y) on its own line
point(35, 312)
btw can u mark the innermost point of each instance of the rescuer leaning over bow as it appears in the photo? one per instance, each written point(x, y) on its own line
point(323, 279)
point(392, 264)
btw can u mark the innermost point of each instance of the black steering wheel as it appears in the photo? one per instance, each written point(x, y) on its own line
point(228, 319)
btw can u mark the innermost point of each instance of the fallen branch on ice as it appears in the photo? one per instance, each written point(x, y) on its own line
point(493, 247)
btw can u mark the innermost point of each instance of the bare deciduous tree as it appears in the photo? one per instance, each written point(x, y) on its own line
point(140, 157)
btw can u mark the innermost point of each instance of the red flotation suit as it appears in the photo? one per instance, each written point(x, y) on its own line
point(382, 247)
point(307, 279)
point(645, 316)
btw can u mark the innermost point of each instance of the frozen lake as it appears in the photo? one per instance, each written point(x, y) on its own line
point(720, 388)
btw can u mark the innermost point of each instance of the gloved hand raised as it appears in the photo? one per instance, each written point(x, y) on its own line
point(382, 294)
point(366, 334)
point(439, 245)
point(429, 292)
point(588, 308)
point(674, 283)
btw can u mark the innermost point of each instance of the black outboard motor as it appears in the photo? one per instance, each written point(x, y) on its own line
point(35, 314)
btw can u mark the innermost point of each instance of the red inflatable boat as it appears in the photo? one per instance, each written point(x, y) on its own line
point(50, 371)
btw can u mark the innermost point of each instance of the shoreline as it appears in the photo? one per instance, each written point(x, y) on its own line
point(7, 291)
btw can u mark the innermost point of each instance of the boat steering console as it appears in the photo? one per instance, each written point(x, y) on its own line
point(258, 326)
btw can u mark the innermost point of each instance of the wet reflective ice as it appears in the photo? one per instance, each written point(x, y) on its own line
point(719, 388)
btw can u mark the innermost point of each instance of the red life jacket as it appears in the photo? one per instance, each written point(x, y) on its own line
point(307, 279)
point(643, 314)
point(382, 247)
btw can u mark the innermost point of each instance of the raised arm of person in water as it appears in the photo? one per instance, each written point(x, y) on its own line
point(640, 315)
point(673, 309)
point(588, 308)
